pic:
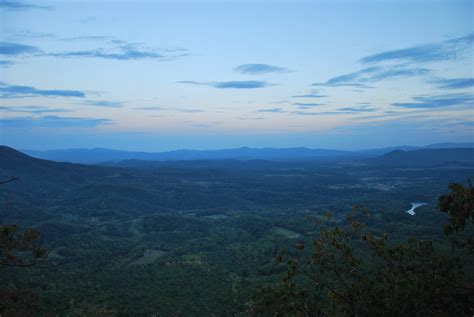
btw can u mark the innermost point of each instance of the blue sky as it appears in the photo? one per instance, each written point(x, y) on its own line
point(163, 75)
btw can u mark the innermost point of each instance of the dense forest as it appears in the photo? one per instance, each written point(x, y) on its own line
point(237, 237)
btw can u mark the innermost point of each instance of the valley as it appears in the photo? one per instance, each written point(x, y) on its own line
point(196, 237)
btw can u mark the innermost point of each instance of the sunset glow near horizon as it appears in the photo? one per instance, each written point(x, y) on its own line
point(164, 75)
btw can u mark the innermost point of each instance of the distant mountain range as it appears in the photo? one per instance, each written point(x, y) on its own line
point(425, 157)
point(45, 188)
point(447, 145)
point(100, 155)
point(16, 163)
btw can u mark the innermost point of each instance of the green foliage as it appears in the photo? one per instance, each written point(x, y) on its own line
point(80, 310)
point(283, 299)
point(350, 271)
point(18, 302)
point(20, 247)
point(146, 242)
point(459, 205)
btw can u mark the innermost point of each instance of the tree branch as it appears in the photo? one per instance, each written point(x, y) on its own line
point(9, 180)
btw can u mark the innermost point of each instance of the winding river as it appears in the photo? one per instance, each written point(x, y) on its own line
point(413, 207)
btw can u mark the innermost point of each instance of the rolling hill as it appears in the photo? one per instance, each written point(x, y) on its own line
point(425, 157)
point(100, 155)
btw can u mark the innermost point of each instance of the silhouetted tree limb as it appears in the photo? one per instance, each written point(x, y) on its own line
point(9, 180)
point(459, 205)
point(20, 247)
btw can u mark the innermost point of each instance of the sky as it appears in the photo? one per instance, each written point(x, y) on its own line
point(165, 75)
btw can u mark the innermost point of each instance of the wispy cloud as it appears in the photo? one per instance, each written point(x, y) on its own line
point(116, 50)
point(16, 49)
point(454, 83)
point(205, 125)
point(351, 77)
point(150, 108)
point(91, 38)
point(374, 74)
point(6, 63)
point(192, 82)
point(7, 91)
point(20, 5)
point(32, 109)
point(311, 95)
point(249, 84)
point(251, 118)
point(324, 113)
point(355, 85)
point(307, 105)
point(125, 54)
point(53, 122)
point(27, 34)
point(272, 110)
point(280, 102)
point(120, 50)
point(187, 110)
point(177, 109)
point(104, 103)
point(340, 111)
point(433, 52)
point(356, 110)
point(258, 69)
point(121, 46)
point(440, 101)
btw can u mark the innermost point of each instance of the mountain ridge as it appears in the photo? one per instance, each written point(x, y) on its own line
point(100, 155)
point(425, 157)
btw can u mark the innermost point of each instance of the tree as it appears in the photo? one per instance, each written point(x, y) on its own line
point(459, 205)
point(349, 270)
point(19, 248)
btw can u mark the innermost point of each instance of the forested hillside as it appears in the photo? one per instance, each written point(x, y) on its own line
point(198, 237)
point(426, 157)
